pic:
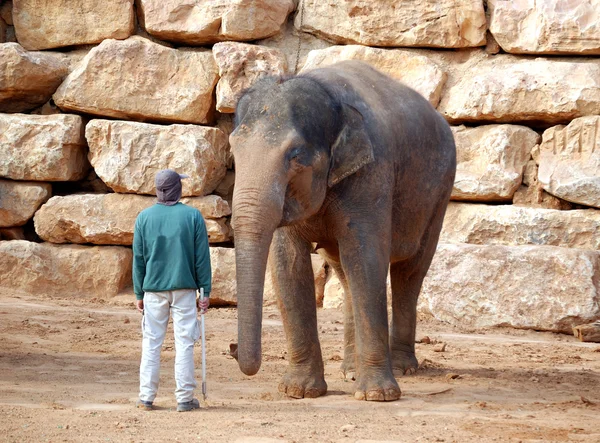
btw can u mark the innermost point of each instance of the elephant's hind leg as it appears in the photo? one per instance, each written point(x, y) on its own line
point(295, 288)
point(407, 278)
point(405, 292)
point(348, 368)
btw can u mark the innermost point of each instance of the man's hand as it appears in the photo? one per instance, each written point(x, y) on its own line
point(139, 304)
point(203, 304)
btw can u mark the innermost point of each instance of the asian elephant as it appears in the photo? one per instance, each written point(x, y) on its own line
point(348, 159)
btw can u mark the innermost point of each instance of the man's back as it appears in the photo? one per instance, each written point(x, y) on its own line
point(171, 249)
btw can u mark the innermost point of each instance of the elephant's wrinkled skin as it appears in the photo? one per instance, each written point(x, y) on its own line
point(351, 160)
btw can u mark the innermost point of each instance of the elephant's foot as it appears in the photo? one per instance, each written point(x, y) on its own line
point(404, 363)
point(377, 386)
point(301, 384)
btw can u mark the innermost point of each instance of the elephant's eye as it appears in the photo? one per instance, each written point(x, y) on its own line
point(294, 153)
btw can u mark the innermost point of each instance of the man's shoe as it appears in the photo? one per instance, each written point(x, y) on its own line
point(188, 405)
point(145, 405)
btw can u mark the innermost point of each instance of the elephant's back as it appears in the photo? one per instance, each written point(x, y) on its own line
point(401, 122)
point(354, 80)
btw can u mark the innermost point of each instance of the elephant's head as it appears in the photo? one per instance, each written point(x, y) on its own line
point(292, 142)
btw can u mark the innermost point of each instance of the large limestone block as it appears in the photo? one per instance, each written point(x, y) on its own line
point(530, 172)
point(43, 24)
point(20, 200)
point(529, 287)
point(222, 261)
point(333, 294)
point(218, 230)
point(75, 57)
point(240, 65)
point(416, 71)
point(42, 147)
point(200, 22)
point(127, 155)
point(490, 161)
point(211, 206)
point(140, 80)
point(295, 45)
point(224, 291)
point(64, 270)
point(109, 219)
point(569, 160)
point(28, 79)
point(428, 23)
point(532, 194)
point(515, 225)
point(546, 27)
point(505, 89)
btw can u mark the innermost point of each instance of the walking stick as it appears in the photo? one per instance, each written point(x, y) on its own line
point(203, 348)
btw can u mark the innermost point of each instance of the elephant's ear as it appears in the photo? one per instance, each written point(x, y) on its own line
point(241, 108)
point(352, 150)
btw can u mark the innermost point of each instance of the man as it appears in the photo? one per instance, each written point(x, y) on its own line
point(171, 261)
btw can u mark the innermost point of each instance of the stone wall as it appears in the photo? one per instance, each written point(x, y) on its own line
point(94, 100)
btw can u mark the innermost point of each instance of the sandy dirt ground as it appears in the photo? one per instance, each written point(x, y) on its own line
point(68, 373)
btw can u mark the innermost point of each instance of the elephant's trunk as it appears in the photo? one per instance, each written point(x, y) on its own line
point(255, 218)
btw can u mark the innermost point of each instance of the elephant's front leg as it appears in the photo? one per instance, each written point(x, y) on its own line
point(365, 264)
point(295, 288)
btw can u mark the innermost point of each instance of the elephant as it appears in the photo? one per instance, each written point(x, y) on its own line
point(347, 162)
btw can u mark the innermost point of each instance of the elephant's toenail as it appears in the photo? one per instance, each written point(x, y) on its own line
point(392, 394)
point(375, 396)
point(311, 393)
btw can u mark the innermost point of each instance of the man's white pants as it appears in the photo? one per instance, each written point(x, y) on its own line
point(182, 306)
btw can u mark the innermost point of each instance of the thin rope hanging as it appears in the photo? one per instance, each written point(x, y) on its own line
point(301, 11)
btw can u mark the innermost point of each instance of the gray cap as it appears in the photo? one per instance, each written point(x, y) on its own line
point(168, 186)
point(167, 178)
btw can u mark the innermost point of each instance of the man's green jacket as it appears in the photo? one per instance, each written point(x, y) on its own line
point(170, 250)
